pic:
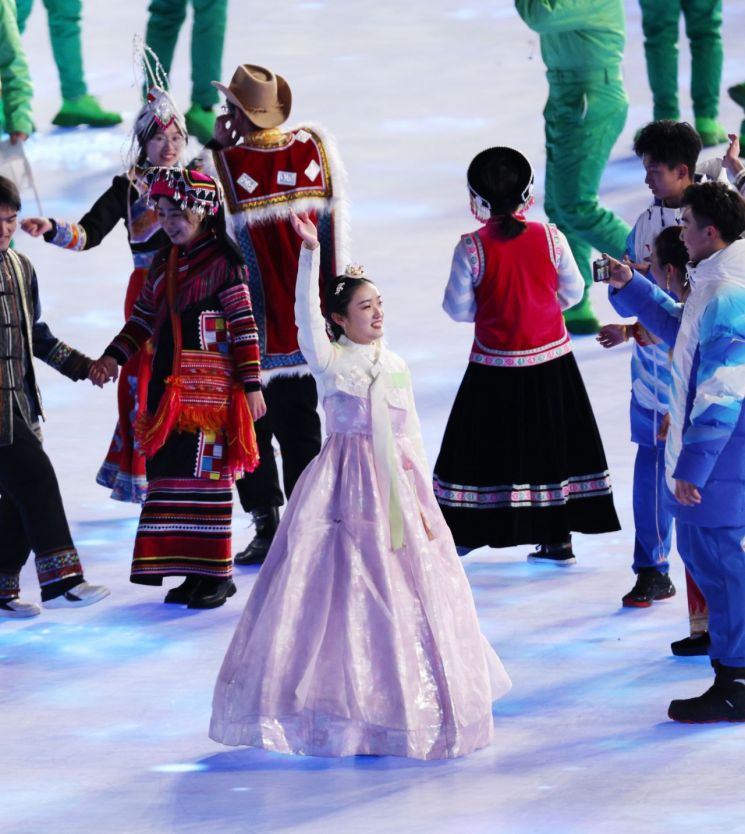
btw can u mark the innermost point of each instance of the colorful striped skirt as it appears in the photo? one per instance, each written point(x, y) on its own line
point(185, 523)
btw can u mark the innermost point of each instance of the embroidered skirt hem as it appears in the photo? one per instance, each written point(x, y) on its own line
point(184, 530)
point(521, 460)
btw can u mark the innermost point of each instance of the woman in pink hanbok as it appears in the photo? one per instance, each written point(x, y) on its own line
point(360, 635)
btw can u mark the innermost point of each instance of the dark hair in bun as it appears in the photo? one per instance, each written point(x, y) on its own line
point(339, 293)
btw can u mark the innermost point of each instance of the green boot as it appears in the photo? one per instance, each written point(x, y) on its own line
point(580, 319)
point(710, 131)
point(737, 94)
point(200, 122)
point(85, 111)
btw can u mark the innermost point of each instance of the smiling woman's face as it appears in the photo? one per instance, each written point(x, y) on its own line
point(181, 225)
point(164, 148)
point(363, 321)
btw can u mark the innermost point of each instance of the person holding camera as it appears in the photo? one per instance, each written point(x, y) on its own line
point(705, 447)
point(669, 152)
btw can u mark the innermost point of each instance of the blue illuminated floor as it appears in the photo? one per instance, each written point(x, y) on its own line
point(105, 710)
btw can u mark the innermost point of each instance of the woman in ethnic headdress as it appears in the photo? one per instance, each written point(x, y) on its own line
point(204, 392)
point(521, 460)
point(159, 138)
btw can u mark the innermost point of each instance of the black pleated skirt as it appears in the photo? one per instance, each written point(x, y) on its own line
point(521, 460)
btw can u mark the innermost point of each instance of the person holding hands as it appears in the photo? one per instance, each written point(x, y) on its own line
point(32, 516)
point(204, 393)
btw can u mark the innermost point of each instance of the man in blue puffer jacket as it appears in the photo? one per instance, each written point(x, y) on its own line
point(705, 450)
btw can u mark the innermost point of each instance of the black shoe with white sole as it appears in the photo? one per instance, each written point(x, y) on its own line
point(18, 608)
point(78, 596)
point(553, 554)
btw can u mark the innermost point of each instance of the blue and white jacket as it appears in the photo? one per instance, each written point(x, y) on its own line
point(650, 365)
point(706, 441)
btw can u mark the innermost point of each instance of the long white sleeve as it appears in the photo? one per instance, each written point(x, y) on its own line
point(571, 285)
point(460, 301)
point(312, 337)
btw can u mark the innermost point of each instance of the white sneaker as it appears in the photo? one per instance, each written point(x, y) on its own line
point(78, 597)
point(17, 608)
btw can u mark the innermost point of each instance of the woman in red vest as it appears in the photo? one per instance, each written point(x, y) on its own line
point(521, 460)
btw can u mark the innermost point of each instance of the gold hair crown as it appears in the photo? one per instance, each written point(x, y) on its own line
point(354, 271)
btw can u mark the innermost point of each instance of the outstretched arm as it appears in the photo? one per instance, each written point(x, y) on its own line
point(633, 295)
point(47, 347)
point(137, 330)
point(312, 336)
point(734, 164)
point(91, 229)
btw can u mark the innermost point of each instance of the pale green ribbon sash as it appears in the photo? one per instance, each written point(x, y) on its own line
point(384, 454)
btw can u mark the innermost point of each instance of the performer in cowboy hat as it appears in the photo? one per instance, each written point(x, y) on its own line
point(267, 173)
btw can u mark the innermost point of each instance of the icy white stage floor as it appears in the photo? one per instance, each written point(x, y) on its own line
point(105, 710)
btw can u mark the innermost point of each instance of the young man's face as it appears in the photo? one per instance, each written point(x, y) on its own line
point(666, 183)
point(8, 223)
point(697, 239)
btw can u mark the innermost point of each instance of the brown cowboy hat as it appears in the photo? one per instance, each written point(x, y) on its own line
point(262, 95)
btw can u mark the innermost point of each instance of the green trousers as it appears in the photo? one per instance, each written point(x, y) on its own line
point(64, 32)
point(584, 115)
point(703, 23)
point(207, 40)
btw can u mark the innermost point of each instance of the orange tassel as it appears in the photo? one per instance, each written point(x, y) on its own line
point(152, 432)
point(243, 451)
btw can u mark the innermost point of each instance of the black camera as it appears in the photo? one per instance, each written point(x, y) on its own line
point(601, 269)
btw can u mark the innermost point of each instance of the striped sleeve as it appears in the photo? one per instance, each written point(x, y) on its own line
point(460, 301)
point(236, 301)
point(139, 326)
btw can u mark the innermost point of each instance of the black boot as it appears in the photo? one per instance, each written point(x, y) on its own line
point(693, 646)
point(266, 521)
point(181, 594)
point(724, 701)
point(651, 585)
point(553, 554)
point(212, 593)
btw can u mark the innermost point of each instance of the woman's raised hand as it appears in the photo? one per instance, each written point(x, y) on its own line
point(731, 159)
point(304, 226)
point(36, 226)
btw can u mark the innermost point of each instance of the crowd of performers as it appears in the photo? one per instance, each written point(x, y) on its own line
point(360, 634)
